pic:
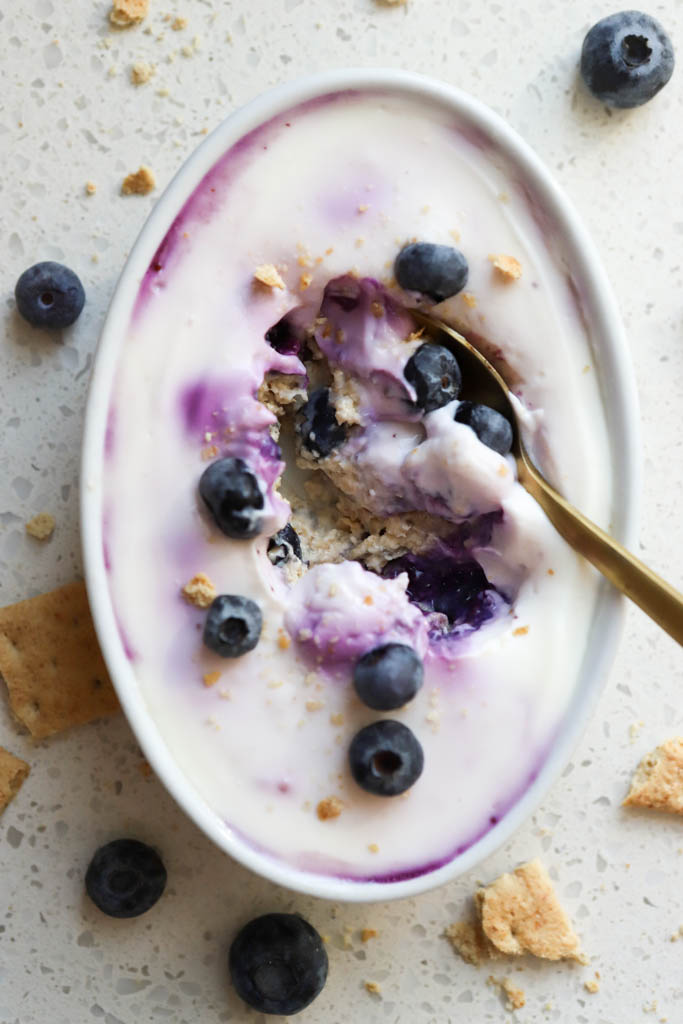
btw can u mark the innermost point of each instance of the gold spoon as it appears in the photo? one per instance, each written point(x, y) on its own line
point(653, 595)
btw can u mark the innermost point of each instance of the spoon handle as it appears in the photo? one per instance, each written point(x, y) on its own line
point(650, 592)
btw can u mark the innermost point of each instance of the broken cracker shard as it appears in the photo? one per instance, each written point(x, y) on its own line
point(658, 779)
point(125, 13)
point(517, 913)
point(139, 183)
point(268, 275)
point(13, 771)
point(41, 526)
point(51, 662)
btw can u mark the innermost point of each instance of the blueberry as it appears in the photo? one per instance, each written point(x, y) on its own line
point(626, 59)
point(441, 583)
point(284, 546)
point(286, 336)
point(233, 625)
point(434, 373)
point(317, 424)
point(385, 758)
point(278, 963)
point(49, 295)
point(490, 426)
point(438, 271)
point(387, 677)
point(234, 497)
point(125, 878)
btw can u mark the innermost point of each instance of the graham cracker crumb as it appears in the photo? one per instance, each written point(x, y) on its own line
point(330, 807)
point(315, 705)
point(658, 780)
point(371, 986)
point(178, 24)
point(373, 847)
point(13, 771)
point(200, 591)
point(520, 912)
point(51, 662)
point(211, 678)
point(362, 207)
point(305, 281)
point(377, 309)
point(41, 526)
point(593, 984)
point(515, 996)
point(139, 183)
point(392, 3)
point(368, 933)
point(210, 451)
point(283, 640)
point(128, 12)
point(520, 631)
point(469, 942)
point(337, 718)
point(141, 72)
point(469, 299)
point(508, 267)
point(267, 274)
point(90, 188)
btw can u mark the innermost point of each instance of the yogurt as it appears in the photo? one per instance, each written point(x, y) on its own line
point(329, 192)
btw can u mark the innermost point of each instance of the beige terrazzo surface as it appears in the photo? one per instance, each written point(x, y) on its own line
point(71, 115)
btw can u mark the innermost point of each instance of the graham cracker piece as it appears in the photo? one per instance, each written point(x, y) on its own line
point(13, 771)
point(141, 72)
point(51, 662)
point(41, 526)
point(199, 591)
point(468, 940)
point(658, 779)
point(330, 807)
point(269, 275)
point(128, 12)
point(139, 183)
point(520, 913)
point(509, 268)
point(515, 996)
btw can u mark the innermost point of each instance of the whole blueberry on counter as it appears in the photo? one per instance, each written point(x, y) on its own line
point(233, 495)
point(284, 546)
point(386, 758)
point(48, 294)
point(387, 677)
point(434, 373)
point(438, 271)
point(490, 426)
point(233, 625)
point(278, 963)
point(626, 59)
point(125, 878)
point(316, 424)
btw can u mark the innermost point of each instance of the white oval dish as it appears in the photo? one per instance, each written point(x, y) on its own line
point(621, 409)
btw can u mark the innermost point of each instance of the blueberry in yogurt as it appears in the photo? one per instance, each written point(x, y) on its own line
point(386, 758)
point(49, 294)
point(434, 373)
point(278, 963)
point(284, 546)
point(234, 497)
point(453, 584)
point(438, 271)
point(387, 677)
point(490, 426)
point(626, 59)
point(317, 425)
point(125, 878)
point(233, 625)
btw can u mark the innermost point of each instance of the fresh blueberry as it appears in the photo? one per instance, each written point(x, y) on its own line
point(439, 583)
point(438, 271)
point(434, 373)
point(490, 426)
point(317, 424)
point(284, 546)
point(49, 295)
point(278, 963)
point(387, 677)
point(233, 625)
point(626, 59)
point(385, 758)
point(125, 878)
point(234, 497)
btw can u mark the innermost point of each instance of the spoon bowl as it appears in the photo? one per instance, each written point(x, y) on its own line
point(484, 384)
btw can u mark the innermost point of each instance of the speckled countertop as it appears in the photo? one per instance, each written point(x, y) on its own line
point(70, 114)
